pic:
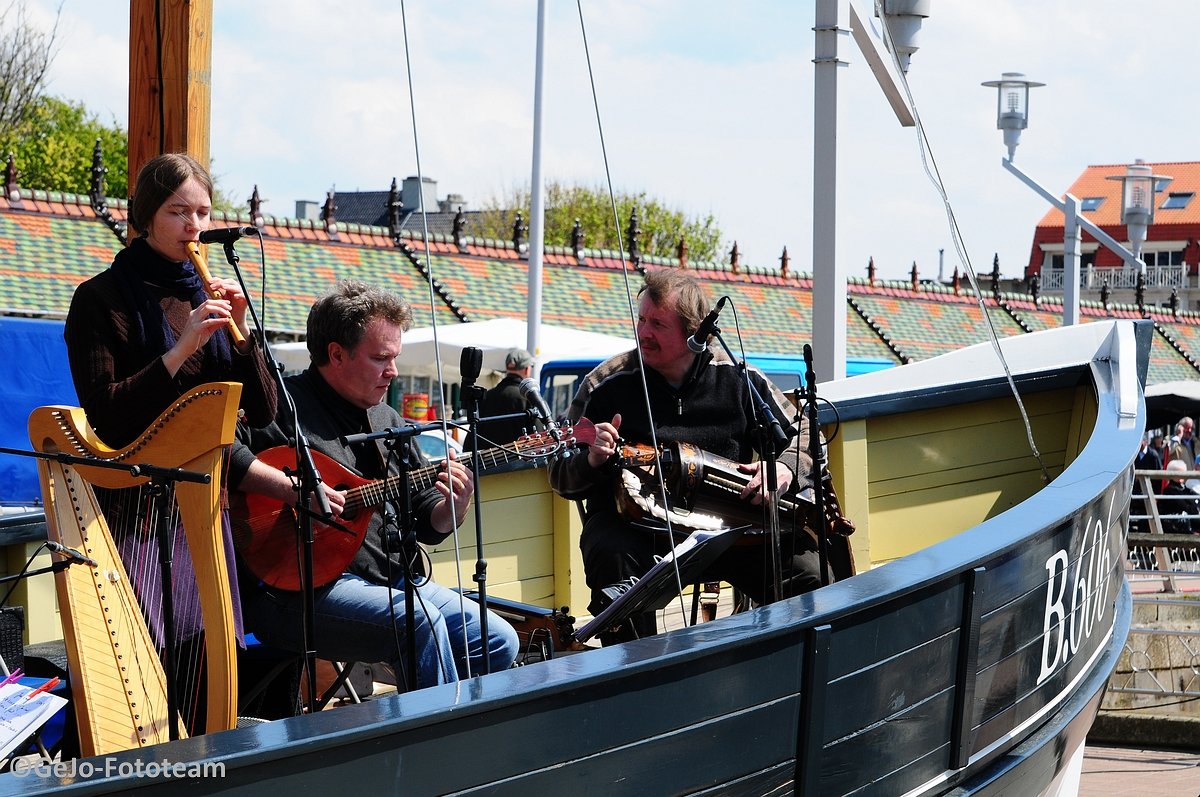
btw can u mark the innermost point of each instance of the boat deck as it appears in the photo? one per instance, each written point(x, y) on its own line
point(1117, 771)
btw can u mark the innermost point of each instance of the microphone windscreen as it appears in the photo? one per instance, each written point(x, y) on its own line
point(470, 362)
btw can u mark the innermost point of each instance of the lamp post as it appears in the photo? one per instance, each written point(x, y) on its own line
point(1012, 116)
point(904, 18)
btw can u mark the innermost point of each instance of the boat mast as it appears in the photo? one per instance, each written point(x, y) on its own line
point(537, 212)
point(834, 20)
point(829, 282)
point(170, 79)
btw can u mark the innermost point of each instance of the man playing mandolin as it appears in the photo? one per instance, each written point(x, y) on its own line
point(701, 399)
point(354, 337)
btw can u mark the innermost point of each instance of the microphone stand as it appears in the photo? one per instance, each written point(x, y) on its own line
point(470, 363)
point(392, 438)
point(403, 535)
point(308, 489)
point(53, 567)
point(134, 469)
point(772, 439)
point(817, 452)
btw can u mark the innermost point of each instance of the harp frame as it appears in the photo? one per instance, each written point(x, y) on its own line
point(118, 684)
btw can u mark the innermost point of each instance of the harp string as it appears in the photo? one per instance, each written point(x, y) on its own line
point(136, 518)
point(141, 671)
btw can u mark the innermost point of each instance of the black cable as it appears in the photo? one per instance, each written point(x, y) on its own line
point(262, 283)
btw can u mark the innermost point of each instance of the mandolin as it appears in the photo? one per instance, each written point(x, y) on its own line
point(264, 529)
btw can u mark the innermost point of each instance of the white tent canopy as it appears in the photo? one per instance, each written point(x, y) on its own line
point(1169, 402)
point(1188, 389)
point(494, 338)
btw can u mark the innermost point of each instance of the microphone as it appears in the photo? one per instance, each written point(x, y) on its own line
point(226, 235)
point(470, 362)
point(529, 392)
point(699, 342)
point(70, 553)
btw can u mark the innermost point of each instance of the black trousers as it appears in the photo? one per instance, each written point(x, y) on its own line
point(615, 551)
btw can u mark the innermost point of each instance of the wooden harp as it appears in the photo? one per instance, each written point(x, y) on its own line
point(117, 680)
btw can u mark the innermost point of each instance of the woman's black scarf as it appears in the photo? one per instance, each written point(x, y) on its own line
point(138, 266)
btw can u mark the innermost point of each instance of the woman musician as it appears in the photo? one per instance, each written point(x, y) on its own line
point(140, 334)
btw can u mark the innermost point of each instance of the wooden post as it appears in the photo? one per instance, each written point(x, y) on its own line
point(1161, 558)
point(169, 112)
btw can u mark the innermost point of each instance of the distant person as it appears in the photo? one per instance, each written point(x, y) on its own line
point(1183, 443)
point(1183, 447)
point(506, 398)
point(1149, 456)
point(1159, 444)
point(1181, 506)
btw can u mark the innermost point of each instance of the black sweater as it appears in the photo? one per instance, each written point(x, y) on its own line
point(712, 409)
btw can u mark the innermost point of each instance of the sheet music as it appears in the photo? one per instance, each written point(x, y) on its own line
point(694, 540)
point(21, 715)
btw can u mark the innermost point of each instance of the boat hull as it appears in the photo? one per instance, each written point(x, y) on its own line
point(970, 667)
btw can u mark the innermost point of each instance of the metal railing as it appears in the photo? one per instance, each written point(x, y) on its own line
point(1162, 654)
point(1093, 278)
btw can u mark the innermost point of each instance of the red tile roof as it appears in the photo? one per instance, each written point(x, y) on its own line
point(1094, 182)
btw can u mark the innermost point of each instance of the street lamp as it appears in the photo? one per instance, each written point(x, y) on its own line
point(904, 18)
point(1012, 116)
point(1012, 106)
point(1137, 203)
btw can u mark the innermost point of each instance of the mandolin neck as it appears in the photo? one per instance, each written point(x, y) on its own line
point(374, 493)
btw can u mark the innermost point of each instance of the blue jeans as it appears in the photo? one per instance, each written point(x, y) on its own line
point(354, 620)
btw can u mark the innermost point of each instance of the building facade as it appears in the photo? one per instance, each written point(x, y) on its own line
point(1171, 251)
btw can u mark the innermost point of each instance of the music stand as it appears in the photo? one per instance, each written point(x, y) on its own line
point(659, 587)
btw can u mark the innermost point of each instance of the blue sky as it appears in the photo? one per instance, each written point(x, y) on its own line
point(706, 105)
